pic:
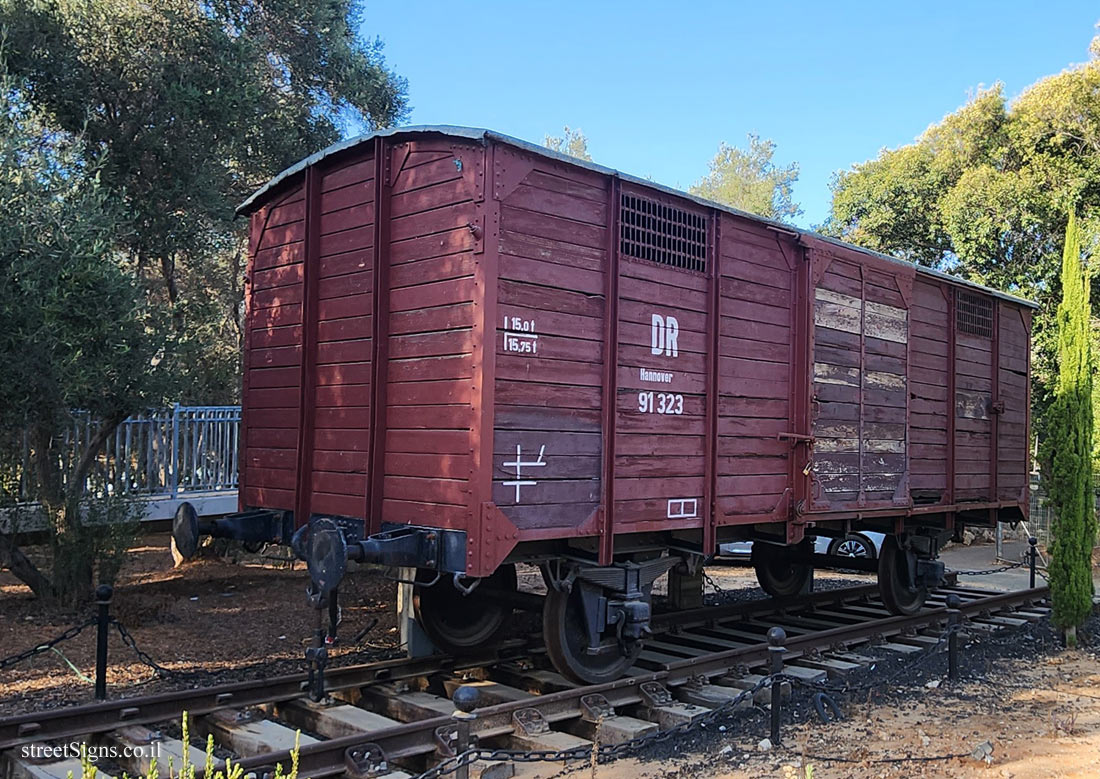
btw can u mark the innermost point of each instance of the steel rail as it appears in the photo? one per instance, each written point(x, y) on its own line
point(169, 705)
point(327, 758)
point(707, 614)
point(408, 740)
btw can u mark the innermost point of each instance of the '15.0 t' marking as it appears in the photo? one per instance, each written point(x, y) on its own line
point(520, 336)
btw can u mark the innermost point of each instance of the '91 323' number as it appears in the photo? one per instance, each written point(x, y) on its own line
point(660, 403)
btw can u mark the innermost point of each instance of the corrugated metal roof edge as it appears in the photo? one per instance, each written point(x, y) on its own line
point(477, 133)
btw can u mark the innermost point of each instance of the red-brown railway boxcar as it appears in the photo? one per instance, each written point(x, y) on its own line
point(464, 350)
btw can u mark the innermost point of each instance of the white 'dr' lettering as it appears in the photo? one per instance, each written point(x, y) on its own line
point(664, 333)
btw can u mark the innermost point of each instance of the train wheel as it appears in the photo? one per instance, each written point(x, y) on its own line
point(563, 629)
point(899, 596)
point(458, 623)
point(777, 574)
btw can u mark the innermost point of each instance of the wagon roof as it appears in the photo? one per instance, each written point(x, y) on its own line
point(480, 134)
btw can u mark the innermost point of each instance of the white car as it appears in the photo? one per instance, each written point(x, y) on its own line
point(860, 544)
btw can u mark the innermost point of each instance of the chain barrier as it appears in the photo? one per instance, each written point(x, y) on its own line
point(988, 571)
point(711, 583)
point(142, 655)
point(610, 751)
point(146, 659)
point(46, 646)
point(1011, 567)
point(847, 687)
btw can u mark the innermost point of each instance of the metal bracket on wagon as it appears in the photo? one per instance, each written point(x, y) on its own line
point(326, 550)
point(255, 527)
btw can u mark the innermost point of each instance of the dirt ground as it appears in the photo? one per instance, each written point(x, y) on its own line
point(1040, 716)
point(235, 620)
point(1038, 706)
point(220, 619)
point(1024, 708)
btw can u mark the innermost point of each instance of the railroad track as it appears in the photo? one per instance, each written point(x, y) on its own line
point(395, 718)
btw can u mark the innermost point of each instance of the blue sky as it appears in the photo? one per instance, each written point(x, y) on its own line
point(656, 86)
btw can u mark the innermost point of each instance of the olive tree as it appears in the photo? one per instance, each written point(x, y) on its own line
point(74, 335)
point(750, 180)
point(196, 104)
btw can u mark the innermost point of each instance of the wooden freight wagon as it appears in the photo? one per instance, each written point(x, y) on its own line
point(464, 350)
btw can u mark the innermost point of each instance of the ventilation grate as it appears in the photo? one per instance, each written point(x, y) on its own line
point(652, 231)
point(973, 314)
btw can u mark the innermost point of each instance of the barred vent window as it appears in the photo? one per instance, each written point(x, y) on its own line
point(652, 231)
point(973, 314)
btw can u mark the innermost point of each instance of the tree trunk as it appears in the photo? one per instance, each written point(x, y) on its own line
point(89, 455)
point(60, 499)
point(46, 467)
point(74, 551)
point(168, 273)
point(12, 557)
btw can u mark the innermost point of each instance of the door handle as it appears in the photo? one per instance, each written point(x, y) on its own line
point(798, 438)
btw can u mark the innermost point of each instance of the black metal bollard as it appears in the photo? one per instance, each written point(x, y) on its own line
point(465, 699)
point(1032, 557)
point(953, 621)
point(777, 637)
point(103, 595)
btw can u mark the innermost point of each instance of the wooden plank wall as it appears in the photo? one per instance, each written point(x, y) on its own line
point(271, 394)
point(1012, 438)
point(973, 418)
point(547, 449)
point(928, 381)
point(754, 358)
point(430, 370)
point(342, 332)
point(660, 415)
point(861, 338)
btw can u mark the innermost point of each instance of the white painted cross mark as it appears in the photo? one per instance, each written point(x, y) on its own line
point(519, 465)
point(663, 335)
point(683, 508)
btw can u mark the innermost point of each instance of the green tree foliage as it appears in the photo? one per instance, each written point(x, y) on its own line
point(75, 333)
point(572, 141)
point(131, 132)
point(195, 104)
point(750, 181)
point(1069, 446)
point(984, 194)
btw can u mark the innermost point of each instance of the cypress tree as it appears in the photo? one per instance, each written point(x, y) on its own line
point(1069, 448)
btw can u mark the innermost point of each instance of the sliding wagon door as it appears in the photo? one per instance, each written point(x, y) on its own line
point(860, 402)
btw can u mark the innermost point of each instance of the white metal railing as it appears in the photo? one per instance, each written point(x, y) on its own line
point(159, 452)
